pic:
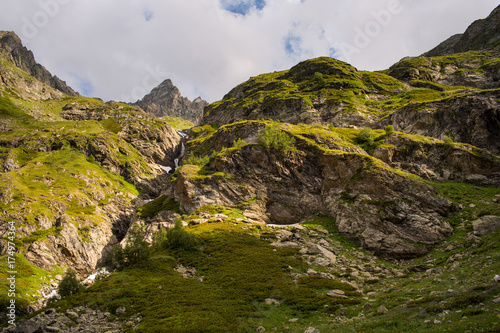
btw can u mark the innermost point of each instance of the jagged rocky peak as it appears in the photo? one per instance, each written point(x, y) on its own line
point(480, 35)
point(166, 100)
point(12, 47)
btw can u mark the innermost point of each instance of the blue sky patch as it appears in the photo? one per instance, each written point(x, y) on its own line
point(293, 45)
point(242, 7)
point(148, 15)
point(84, 87)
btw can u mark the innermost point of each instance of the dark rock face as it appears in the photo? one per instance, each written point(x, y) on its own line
point(166, 100)
point(472, 119)
point(480, 35)
point(11, 45)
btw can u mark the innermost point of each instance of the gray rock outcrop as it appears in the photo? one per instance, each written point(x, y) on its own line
point(11, 45)
point(166, 100)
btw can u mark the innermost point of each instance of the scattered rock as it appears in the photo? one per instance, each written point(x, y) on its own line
point(120, 311)
point(72, 314)
point(311, 330)
point(382, 309)
point(188, 272)
point(272, 301)
point(293, 320)
point(496, 278)
point(51, 321)
point(336, 293)
point(260, 329)
point(486, 224)
point(437, 321)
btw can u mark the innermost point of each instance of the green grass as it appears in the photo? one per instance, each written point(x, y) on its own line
point(161, 203)
point(41, 185)
point(178, 123)
point(29, 279)
point(476, 201)
point(240, 271)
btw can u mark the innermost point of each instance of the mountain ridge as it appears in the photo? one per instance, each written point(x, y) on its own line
point(11, 44)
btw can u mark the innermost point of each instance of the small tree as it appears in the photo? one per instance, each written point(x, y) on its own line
point(239, 143)
point(136, 250)
point(69, 285)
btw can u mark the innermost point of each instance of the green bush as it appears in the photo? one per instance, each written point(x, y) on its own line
point(272, 137)
point(69, 284)
point(239, 143)
point(318, 76)
point(448, 141)
point(462, 301)
point(201, 160)
point(176, 238)
point(389, 129)
point(366, 139)
point(366, 136)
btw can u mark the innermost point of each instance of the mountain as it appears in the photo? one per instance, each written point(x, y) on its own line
point(480, 35)
point(166, 100)
point(315, 199)
point(71, 169)
point(12, 49)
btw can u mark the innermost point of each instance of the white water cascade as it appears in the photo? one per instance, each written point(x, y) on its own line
point(183, 151)
point(168, 169)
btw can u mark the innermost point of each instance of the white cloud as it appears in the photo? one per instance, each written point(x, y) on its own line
point(120, 49)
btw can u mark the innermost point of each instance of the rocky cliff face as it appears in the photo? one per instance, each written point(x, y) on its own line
point(374, 196)
point(166, 100)
point(12, 47)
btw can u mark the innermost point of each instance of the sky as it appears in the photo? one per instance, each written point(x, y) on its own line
point(121, 49)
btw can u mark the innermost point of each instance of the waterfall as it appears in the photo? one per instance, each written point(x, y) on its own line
point(183, 151)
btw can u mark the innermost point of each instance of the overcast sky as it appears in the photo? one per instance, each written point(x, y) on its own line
point(121, 49)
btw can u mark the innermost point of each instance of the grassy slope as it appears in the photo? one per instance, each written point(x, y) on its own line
point(241, 270)
point(46, 182)
point(337, 84)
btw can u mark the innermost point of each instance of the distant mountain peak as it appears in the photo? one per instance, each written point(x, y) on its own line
point(166, 100)
point(12, 47)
